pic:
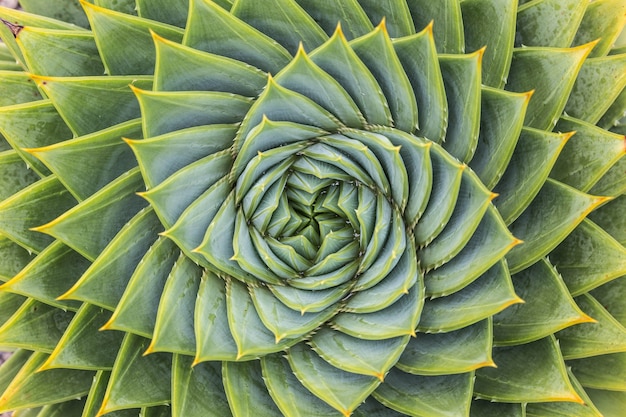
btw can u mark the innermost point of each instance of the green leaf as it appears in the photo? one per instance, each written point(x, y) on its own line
point(124, 41)
point(282, 20)
point(558, 408)
point(251, 336)
point(14, 258)
point(246, 392)
point(285, 322)
point(462, 80)
point(454, 352)
point(96, 395)
point(214, 340)
point(404, 275)
point(303, 76)
point(498, 39)
point(17, 88)
point(67, 11)
point(327, 13)
point(69, 158)
point(531, 162)
point(310, 301)
point(588, 258)
point(610, 403)
point(588, 155)
point(547, 308)
point(50, 274)
point(376, 325)
point(491, 293)
point(137, 309)
point(61, 53)
point(610, 295)
point(171, 12)
point(107, 101)
point(30, 389)
point(91, 225)
point(228, 36)
point(550, 218)
point(490, 242)
point(395, 14)
point(124, 6)
point(481, 408)
point(174, 326)
point(448, 30)
point(43, 123)
point(377, 52)
point(604, 20)
point(269, 135)
point(10, 304)
point(608, 218)
point(342, 390)
point(532, 372)
point(359, 356)
point(598, 85)
point(12, 366)
point(551, 73)
point(472, 202)
point(418, 57)
point(33, 206)
point(217, 246)
point(178, 149)
point(136, 380)
point(165, 112)
point(551, 23)
point(415, 154)
point(21, 18)
point(291, 397)
point(198, 391)
point(501, 119)
point(180, 68)
point(188, 231)
point(341, 62)
point(613, 183)
point(171, 197)
point(428, 396)
point(83, 346)
point(447, 174)
point(606, 335)
point(601, 372)
point(35, 326)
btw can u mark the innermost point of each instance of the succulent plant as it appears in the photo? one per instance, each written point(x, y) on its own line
point(313, 208)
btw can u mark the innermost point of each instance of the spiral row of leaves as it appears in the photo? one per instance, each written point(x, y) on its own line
point(305, 208)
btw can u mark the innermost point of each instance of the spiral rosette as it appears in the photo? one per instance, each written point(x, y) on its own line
point(310, 209)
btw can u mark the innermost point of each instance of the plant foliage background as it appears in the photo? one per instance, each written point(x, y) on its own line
point(313, 208)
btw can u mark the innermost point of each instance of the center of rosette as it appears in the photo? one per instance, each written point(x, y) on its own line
point(309, 216)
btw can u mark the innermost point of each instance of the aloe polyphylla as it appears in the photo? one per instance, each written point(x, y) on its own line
point(313, 208)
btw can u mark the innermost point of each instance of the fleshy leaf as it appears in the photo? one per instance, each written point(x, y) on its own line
point(551, 72)
point(136, 380)
point(174, 326)
point(588, 258)
point(83, 346)
point(532, 372)
point(430, 396)
point(31, 389)
point(491, 293)
point(548, 307)
point(604, 336)
point(455, 352)
point(549, 219)
point(289, 394)
point(124, 41)
point(245, 390)
point(342, 390)
point(197, 391)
